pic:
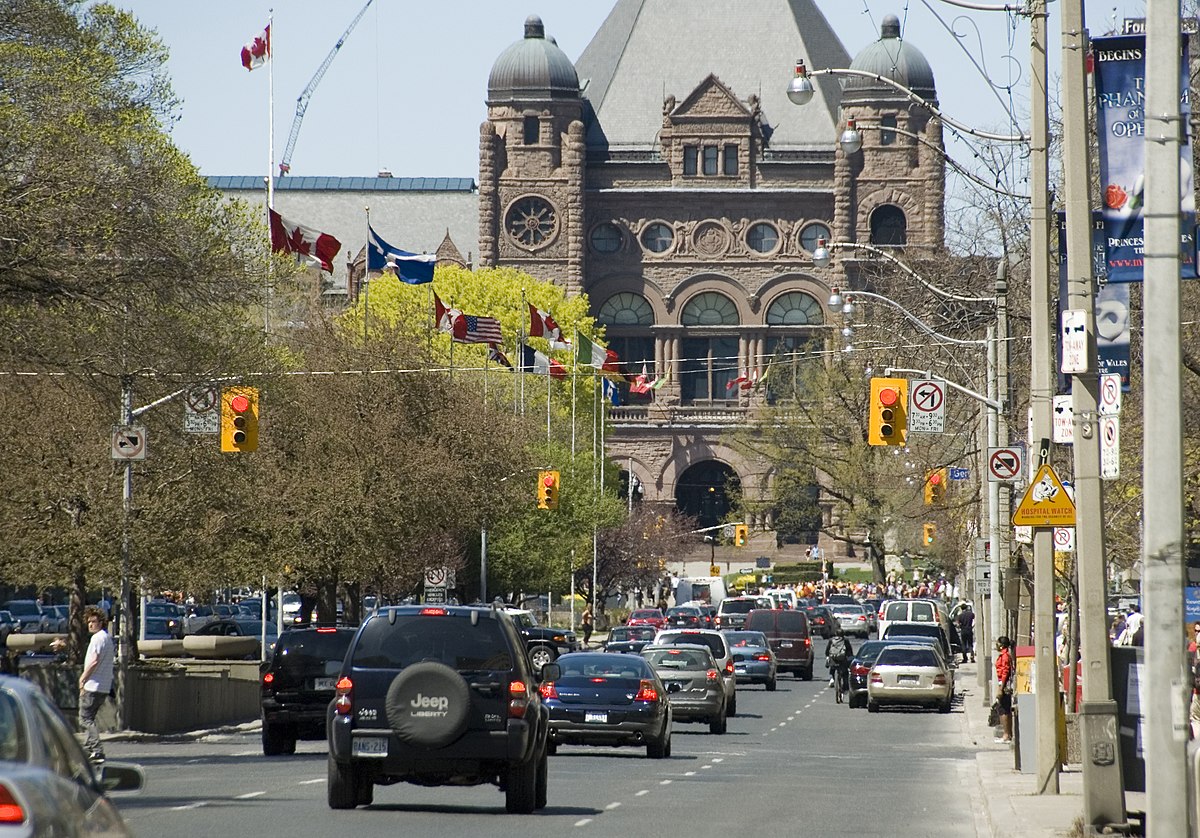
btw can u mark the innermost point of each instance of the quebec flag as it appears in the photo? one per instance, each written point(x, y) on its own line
point(413, 268)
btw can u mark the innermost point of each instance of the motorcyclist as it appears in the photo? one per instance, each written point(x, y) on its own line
point(838, 653)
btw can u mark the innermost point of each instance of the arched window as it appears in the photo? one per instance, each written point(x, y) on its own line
point(709, 309)
point(889, 227)
point(795, 308)
point(626, 309)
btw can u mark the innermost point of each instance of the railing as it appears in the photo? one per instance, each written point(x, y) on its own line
point(689, 414)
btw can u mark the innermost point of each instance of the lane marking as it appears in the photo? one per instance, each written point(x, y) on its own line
point(718, 759)
point(249, 795)
point(612, 806)
point(705, 767)
point(643, 791)
point(311, 782)
point(664, 782)
point(689, 773)
point(185, 807)
point(583, 822)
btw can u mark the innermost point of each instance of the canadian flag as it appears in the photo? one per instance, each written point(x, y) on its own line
point(313, 246)
point(542, 325)
point(256, 51)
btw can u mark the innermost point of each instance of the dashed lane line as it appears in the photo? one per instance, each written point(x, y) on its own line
point(249, 795)
point(187, 806)
point(311, 782)
point(615, 804)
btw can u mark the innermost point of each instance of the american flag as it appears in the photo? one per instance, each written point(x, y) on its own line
point(469, 328)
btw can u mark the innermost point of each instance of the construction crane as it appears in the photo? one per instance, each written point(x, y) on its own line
point(302, 102)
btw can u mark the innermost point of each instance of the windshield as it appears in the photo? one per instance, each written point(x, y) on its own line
point(679, 659)
point(308, 649)
point(22, 608)
point(738, 606)
point(739, 639)
point(449, 639)
point(894, 656)
point(715, 643)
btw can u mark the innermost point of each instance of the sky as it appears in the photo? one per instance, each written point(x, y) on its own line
point(406, 91)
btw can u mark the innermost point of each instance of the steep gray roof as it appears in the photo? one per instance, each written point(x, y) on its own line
point(648, 49)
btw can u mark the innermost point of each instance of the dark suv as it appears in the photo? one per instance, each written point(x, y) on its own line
point(544, 643)
point(438, 696)
point(297, 685)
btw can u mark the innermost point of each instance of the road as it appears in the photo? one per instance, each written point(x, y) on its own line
point(793, 762)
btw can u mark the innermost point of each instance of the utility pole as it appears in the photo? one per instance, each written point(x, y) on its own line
point(1103, 788)
point(1166, 728)
point(1003, 490)
point(1041, 401)
point(996, 604)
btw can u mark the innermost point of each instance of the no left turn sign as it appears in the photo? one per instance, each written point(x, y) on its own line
point(926, 406)
point(1004, 464)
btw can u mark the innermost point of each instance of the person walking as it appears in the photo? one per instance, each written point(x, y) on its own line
point(1005, 672)
point(587, 624)
point(966, 631)
point(96, 680)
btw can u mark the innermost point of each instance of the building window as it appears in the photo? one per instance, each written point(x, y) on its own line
point(691, 157)
point(710, 160)
point(762, 237)
point(731, 160)
point(637, 356)
point(810, 234)
point(707, 369)
point(658, 237)
point(531, 222)
point(795, 308)
point(532, 130)
point(791, 359)
point(606, 238)
point(709, 309)
point(887, 125)
point(626, 309)
point(889, 228)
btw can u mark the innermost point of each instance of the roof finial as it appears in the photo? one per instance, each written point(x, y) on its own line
point(534, 27)
point(889, 29)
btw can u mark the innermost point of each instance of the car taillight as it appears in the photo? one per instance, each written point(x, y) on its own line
point(325, 629)
point(862, 618)
point(860, 669)
point(268, 679)
point(342, 704)
point(717, 622)
point(939, 680)
point(647, 692)
point(548, 690)
point(713, 674)
point(807, 642)
point(762, 657)
point(876, 678)
point(10, 810)
point(729, 667)
point(518, 699)
point(432, 612)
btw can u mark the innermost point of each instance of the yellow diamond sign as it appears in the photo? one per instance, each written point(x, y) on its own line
point(1046, 503)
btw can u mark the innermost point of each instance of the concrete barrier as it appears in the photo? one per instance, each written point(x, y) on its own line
point(221, 647)
point(32, 642)
point(160, 648)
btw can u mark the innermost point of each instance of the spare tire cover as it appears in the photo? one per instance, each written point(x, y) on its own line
point(427, 704)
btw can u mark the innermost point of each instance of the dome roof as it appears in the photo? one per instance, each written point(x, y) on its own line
point(533, 68)
point(892, 58)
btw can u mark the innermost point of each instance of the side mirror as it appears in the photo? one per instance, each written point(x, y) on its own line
point(121, 777)
point(551, 672)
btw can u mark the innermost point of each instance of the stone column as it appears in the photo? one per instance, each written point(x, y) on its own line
point(488, 254)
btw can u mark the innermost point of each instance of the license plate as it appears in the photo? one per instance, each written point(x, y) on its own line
point(786, 644)
point(598, 718)
point(323, 684)
point(907, 679)
point(740, 669)
point(369, 746)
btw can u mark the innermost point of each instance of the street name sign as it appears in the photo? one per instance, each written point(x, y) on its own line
point(1046, 502)
point(926, 406)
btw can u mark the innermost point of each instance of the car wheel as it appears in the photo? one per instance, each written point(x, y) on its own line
point(551, 747)
point(342, 788)
point(539, 656)
point(944, 707)
point(660, 748)
point(542, 787)
point(732, 711)
point(289, 745)
point(806, 674)
point(771, 684)
point(274, 742)
point(872, 706)
point(718, 724)
point(520, 790)
point(419, 689)
point(364, 790)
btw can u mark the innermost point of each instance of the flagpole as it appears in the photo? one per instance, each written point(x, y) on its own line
point(270, 160)
point(366, 284)
point(574, 378)
point(549, 378)
point(521, 338)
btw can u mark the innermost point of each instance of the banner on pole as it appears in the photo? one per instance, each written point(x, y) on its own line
point(1120, 74)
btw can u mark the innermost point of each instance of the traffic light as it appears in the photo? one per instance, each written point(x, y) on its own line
point(935, 486)
point(887, 424)
point(929, 530)
point(741, 534)
point(239, 419)
point(547, 490)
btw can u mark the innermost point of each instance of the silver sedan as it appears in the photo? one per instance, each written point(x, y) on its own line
point(910, 674)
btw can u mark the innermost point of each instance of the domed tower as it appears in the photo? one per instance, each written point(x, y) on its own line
point(531, 157)
point(891, 192)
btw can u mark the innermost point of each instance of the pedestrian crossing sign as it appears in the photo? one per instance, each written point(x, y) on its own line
point(1046, 502)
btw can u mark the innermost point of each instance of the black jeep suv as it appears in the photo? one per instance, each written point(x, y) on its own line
point(297, 685)
point(438, 695)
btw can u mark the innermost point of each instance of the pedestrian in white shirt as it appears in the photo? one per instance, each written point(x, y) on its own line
point(96, 681)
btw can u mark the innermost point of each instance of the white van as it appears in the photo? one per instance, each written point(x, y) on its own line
point(709, 589)
point(909, 611)
point(782, 597)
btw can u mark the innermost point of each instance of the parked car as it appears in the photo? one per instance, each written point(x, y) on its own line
point(298, 685)
point(240, 627)
point(543, 643)
point(30, 614)
point(753, 659)
point(47, 784)
point(909, 674)
point(8, 625)
point(600, 698)
point(626, 640)
point(731, 613)
point(789, 637)
point(60, 617)
point(860, 668)
point(716, 643)
point(439, 696)
point(684, 616)
point(693, 684)
point(907, 611)
point(160, 628)
point(647, 617)
point(898, 628)
point(852, 618)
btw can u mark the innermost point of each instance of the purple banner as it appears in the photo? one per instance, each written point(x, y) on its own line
point(1120, 72)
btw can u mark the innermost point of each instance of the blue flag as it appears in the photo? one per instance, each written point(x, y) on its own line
point(611, 392)
point(413, 268)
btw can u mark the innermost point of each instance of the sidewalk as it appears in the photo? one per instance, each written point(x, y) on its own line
point(1011, 806)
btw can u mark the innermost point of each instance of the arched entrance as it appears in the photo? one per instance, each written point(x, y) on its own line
point(702, 492)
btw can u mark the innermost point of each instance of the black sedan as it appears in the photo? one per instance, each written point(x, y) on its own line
point(629, 640)
point(602, 698)
point(860, 668)
point(47, 784)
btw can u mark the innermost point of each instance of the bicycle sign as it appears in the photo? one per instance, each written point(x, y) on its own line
point(926, 406)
